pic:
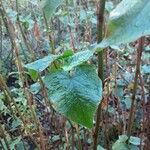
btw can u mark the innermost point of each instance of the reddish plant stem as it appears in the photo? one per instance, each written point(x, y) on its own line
point(143, 107)
point(12, 35)
point(100, 23)
point(138, 63)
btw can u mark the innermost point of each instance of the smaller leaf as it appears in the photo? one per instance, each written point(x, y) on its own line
point(135, 140)
point(78, 58)
point(100, 148)
point(15, 142)
point(55, 138)
point(33, 74)
point(67, 53)
point(41, 64)
point(16, 123)
point(35, 88)
point(109, 6)
point(120, 146)
point(122, 138)
point(146, 69)
point(2, 106)
point(133, 147)
point(127, 101)
point(50, 6)
point(21, 146)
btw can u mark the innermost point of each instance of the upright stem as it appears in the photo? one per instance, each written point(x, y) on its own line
point(100, 23)
point(138, 62)
point(48, 30)
point(12, 35)
point(1, 38)
point(22, 32)
point(72, 39)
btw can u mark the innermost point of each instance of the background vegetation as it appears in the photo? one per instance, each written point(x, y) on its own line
point(55, 73)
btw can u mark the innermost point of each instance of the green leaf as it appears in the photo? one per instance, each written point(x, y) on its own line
point(75, 94)
point(135, 140)
point(133, 147)
point(33, 74)
point(2, 105)
point(16, 123)
point(56, 138)
point(35, 88)
point(146, 69)
point(15, 142)
point(41, 64)
point(100, 148)
point(127, 101)
point(77, 59)
point(122, 138)
point(66, 54)
point(128, 21)
point(20, 146)
point(49, 7)
point(120, 144)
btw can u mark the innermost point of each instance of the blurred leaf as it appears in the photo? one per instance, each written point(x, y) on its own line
point(2, 106)
point(127, 102)
point(12, 14)
point(75, 94)
point(33, 74)
point(131, 86)
point(21, 146)
point(147, 48)
point(100, 148)
point(15, 142)
point(17, 122)
point(35, 88)
point(133, 147)
point(66, 54)
point(109, 6)
point(122, 138)
point(120, 91)
point(146, 69)
point(134, 140)
point(49, 7)
point(56, 138)
point(120, 144)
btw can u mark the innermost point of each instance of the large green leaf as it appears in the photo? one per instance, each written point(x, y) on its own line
point(41, 64)
point(49, 7)
point(76, 94)
point(128, 21)
point(77, 59)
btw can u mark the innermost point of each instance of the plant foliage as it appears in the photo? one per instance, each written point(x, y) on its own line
point(76, 94)
point(49, 7)
point(127, 22)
